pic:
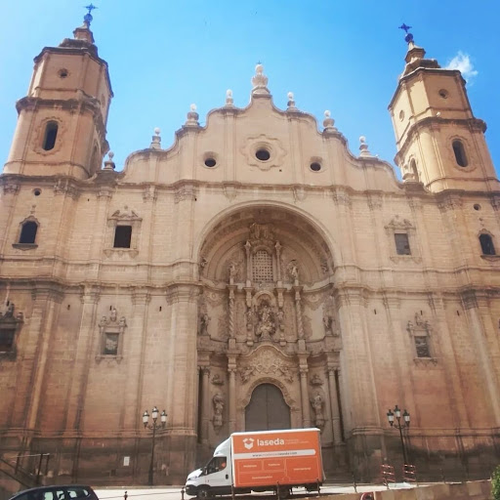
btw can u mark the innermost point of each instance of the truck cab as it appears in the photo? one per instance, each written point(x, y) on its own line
point(215, 478)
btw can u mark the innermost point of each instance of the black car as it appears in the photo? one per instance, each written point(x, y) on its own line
point(58, 492)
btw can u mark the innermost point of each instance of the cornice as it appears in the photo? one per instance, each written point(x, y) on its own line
point(84, 104)
point(473, 124)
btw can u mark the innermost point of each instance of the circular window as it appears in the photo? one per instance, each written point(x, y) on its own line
point(401, 115)
point(210, 162)
point(63, 73)
point(443, 93)
point(477, 206)
point(37, 192)
point(262, 154)
point(315, 166)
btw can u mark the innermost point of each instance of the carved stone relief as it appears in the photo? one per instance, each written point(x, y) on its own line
point(267, 362)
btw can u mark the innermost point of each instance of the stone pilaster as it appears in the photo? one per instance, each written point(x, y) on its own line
point(87, 336)
point(46, 303)
point(182, 357)
point(334, 405)
point(135, 342)
point(357, 360)
point(472, 304)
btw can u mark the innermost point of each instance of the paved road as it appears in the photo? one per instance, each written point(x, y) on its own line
point(174, 492)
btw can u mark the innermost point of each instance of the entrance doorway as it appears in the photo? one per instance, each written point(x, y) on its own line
point(267, 410)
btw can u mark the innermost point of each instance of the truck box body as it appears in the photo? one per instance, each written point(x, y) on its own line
point(259, 461)
point(289, 457)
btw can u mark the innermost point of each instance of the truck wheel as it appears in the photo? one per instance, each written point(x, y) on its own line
point(203, 493)
point(283, 492)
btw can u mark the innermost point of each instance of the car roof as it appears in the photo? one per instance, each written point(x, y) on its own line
point(51, 487)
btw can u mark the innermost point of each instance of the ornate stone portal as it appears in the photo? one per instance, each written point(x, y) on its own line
point(267, 297)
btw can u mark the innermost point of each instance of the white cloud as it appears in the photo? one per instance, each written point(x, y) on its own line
point(463, 63)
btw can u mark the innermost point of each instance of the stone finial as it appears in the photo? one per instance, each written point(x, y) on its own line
point(192, 117)
point(229, 97)
point(109, 164)
point(363, 147)
point(329, 122)
point(291, 101)
point(259, 81)
point(156, 139)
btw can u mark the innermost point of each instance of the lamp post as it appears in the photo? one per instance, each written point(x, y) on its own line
point(153, 426)
point(399, 425)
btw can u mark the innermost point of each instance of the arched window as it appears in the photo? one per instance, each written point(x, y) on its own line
point(460, 156)
point(487, 246)
point(49, 138)
point(28, 232)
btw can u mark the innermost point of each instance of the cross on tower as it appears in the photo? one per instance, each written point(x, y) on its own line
point(406, 29)
point(88, 16)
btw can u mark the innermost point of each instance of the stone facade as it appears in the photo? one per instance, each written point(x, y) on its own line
point(255, 274)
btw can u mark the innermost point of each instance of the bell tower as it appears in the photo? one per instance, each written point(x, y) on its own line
point(440, 143)
point(61, 127)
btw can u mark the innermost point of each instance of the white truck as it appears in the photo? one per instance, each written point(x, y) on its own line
point(261, 461)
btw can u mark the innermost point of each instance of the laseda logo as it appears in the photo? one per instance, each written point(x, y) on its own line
point(270, 442)
point(248, 443)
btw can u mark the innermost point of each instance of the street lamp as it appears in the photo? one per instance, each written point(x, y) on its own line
point(399, 425)
point(153, 427)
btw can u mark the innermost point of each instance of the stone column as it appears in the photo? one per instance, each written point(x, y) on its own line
point(334, 405)
point(304, 393)
point(278, 247)
point(231, 368)
point(231, 289)
point(298, 312)
point(205, 404)
point(248, 247)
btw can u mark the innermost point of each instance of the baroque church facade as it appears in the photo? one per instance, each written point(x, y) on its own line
point(254, 275)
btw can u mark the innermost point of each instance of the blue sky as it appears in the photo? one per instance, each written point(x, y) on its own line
point(344, 56)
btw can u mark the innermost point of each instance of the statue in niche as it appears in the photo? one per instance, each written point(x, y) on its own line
point(266, 325)
point(232, 271)
point(204, 321)
point(293, 270)
point(113, 315)
point(317, 404)
point(281, 319)
point(218, 403)
point(249, 318)
point(329, 323)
